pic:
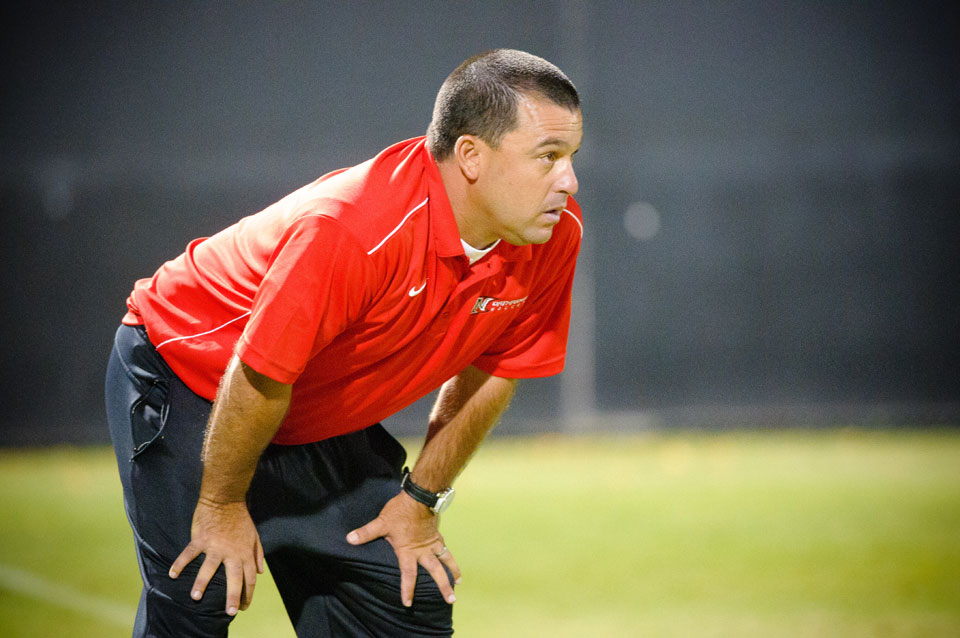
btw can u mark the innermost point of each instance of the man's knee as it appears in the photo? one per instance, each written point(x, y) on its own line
point(372, 593)
point(171, 612)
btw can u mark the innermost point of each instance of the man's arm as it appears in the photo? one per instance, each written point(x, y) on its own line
point(246, 415)
point(468, 406)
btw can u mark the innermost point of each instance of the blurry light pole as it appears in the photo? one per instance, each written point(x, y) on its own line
point(578, 400)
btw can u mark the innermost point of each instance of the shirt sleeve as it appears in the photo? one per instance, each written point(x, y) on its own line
point(314, 287)
point(535, 343)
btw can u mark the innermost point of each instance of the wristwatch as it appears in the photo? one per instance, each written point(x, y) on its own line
point(437, 502)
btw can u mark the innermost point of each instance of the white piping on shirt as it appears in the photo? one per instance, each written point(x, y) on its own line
point(400, 225)
point(201, 334)
point(370, 252)
point(576, 220)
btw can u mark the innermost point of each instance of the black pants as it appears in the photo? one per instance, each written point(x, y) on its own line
point(304, 500)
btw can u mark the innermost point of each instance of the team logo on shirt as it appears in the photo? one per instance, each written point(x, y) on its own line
point(492, 304)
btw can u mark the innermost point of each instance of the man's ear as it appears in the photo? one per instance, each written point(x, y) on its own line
point(468, 151)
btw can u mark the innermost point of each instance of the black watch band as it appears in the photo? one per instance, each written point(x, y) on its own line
point(436, 502)
point(418, 493)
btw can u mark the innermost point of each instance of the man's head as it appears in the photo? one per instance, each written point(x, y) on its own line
point(481, 97)
point(505, 129)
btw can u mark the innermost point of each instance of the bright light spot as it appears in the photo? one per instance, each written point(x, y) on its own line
point(642, 221)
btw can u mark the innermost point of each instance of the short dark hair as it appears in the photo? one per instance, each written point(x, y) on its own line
point(480, 97)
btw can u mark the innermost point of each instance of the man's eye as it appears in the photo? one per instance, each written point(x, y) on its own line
point(550, 157)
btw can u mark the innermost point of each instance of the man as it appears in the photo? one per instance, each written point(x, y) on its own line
point(446, 260)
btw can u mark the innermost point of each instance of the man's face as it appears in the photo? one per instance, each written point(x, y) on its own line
point(525, 182)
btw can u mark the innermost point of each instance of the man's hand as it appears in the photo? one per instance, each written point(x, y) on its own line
point(411, 529)
point(245, 416)
point(226, 534)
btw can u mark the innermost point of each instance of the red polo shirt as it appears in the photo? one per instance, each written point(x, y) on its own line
point(355, 289)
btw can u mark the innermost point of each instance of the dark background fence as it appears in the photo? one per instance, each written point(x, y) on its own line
point(771, 189)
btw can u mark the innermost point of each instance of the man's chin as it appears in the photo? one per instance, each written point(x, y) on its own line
point(542, 236)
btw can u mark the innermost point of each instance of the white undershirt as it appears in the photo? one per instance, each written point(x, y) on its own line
point(475, 254)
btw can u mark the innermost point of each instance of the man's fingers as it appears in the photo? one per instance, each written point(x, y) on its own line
point(433, 565)
point(207, 570)
point(373, 529)
point(408, 578)
point(249, 584)
point(234, 573)
point(185, 558)
point(446, 557)
point(241, 580)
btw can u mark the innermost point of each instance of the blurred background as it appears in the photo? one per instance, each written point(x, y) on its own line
point(771, 189)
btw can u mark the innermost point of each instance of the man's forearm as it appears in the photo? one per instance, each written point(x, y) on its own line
point(245, 417)
point(468, 406)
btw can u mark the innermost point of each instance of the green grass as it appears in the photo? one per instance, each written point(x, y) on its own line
point(839, 533)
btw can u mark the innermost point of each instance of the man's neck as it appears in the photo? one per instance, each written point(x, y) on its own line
point(469, 218)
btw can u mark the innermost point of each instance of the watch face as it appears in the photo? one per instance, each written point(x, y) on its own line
point(444, 499)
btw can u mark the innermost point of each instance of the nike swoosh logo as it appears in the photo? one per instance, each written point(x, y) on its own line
point(416, 291)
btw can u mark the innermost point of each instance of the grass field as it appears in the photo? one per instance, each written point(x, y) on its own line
point(744, 534)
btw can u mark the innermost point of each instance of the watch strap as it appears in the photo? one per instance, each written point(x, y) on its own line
point(417, 493)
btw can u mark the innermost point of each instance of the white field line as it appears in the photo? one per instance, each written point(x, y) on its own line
point(23, 582)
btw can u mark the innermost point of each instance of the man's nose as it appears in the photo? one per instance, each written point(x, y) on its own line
point(568, 180)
